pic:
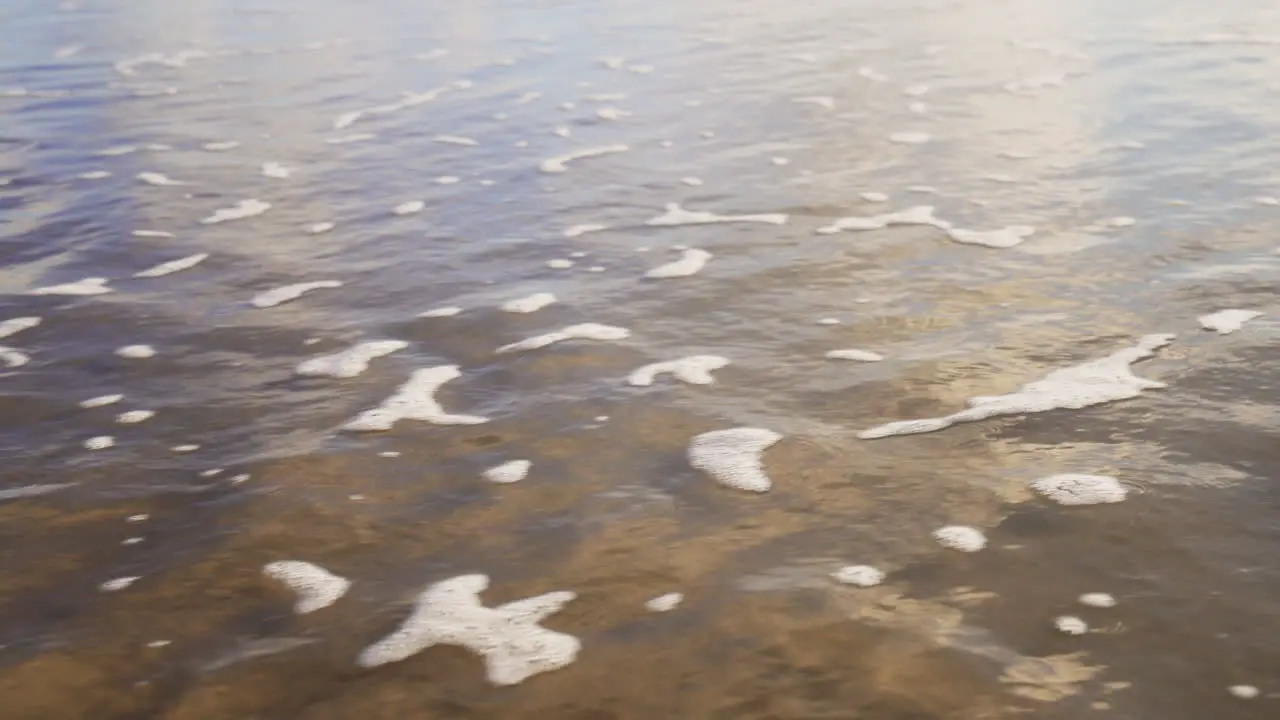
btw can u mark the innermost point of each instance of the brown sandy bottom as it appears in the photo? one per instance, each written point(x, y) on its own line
point(610, 511)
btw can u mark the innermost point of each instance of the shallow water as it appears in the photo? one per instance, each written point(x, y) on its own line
point(1134, 138)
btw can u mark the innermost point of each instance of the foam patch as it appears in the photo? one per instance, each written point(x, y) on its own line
point(859, 575)
point(239, 211)
point(158, 179)
point(664, 603)
point(508, 637)
point(1007, 237)
point(560, 163)
point(576, 230)
point(1225, 322)
point(1071, 625)
point(675, 215)
point(734, 457)
point(414, 400)
point(690, 263)
point(101, 442)
point(136, 352)
point(1097, 600)
point(857, 355)
point(350, 362)
point(918, 215)
point(1072, 489)
point(119, 584)
point(87, 286)
point(509, 472)
point(529, 304)
point(960, 537)
point(409, 208)
point(101, 401)
point(132, 417)
point(1105, 380)
point(16, 325)
point(584, 331)
point(315, 587)
point(695, 370)
point(276, 171)
point(441, 312)
point(173, 266)
point(281, 295)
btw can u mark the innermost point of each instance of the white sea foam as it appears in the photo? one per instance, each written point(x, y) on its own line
point(562, 131)
point(173, 266)
point(853, 354)
point(825, 101)
point(27, 491)
point(101, 400)
point(860, 575)
point(349, 138)
point(1097, 600)
point(508, 637)
point(409, 208)
point(133, 417)
point(100, 442)
point(448, 180)
point(960, 537)
point(560, 264)
point(734, 457)
point(691, 181)
point(158, 179)
point(611, 113)
point(136, 352)
point(508, 472)
point(119, 584)
point(527, 98)
point(910, 138)
point(690, 263)
point(152, 234)
point(1095, 382)
point(455, 140)
point(1225, 322)
point(694, 369)
point(141, 517)
point(243, 209)
point(1244, 692)
point(280, 295)
point(408, 99)
point(828, 321)
point(1003, 238)
point(276, 170)
point(576, 230)
point(1073, 489)
point(664, 603)
point(529, 303)
point(118, 150)
point(441, 312)
point(1267, 200)
point(875, 197)
point(221, 145)
point(780, 161)
point(675, 215)
point(559, 163)
point(315, 587)
point(319, 228)
point(16, 325)
point(1071, 625)
point(87, 286)
point(94, 175)
point(13, 358)
point(184, 449)
point(583, 331)
point(917, 215)
point(414, 400)
point(350, 362)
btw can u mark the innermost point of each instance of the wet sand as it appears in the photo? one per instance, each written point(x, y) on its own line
point(352, 173)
